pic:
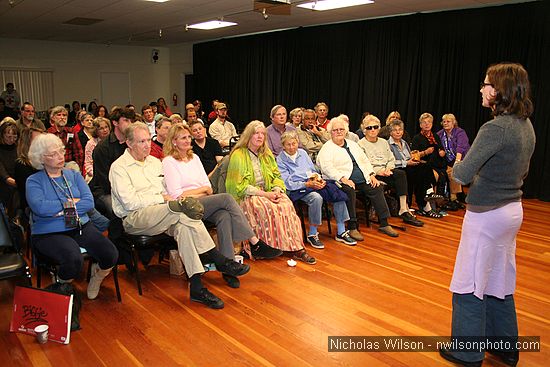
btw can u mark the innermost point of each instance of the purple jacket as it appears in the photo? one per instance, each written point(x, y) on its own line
point(457, 143)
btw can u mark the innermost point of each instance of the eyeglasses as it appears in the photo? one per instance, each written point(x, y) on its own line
point(373, 127)
point(483, 85)
point(57, 153)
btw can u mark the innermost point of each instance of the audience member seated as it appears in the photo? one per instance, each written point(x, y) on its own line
point(59, 200)
point(304, 183)
point(102, 112)
point(101, 130)
point(8, 154)
point(383, 162)
point(23, 167)
point(419, 173)
point(456, 144)
point(213, 114)
point(185, 177)
point(191, 116)
point(27, 118)
point(255, 182)
point(321, 110)
point(74, 154)
point(148, 118)
point(87, 123)
point(207, 149)
point(92, 108)
point(104, 154)
point(296, 117)
point(139, 199)
point(385, 129)
point(6, 111)
point(430, 148)
point(198, 109)
point(277, 128)
point(73, 115)
point(163, 108)
point(349, 135)
point(344, 161)
point(221, 129)
point(312, 137)
point(176, 118)
point(162, 126)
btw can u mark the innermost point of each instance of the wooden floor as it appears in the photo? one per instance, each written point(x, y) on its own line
point(282, 316)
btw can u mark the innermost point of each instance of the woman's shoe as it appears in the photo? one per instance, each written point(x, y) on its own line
point(446, 354)
point(302, 255)
point(429, 214)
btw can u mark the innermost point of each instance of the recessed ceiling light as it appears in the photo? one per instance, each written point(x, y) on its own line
point(158, 1)
point(333, 4)
point(212, 24)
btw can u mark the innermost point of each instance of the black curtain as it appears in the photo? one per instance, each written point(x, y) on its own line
point(413, 64)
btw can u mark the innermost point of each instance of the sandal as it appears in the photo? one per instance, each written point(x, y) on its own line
point(429, 214)
point(302, 255)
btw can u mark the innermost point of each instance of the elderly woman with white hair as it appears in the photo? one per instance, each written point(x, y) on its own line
point(305, 184)
point(349, 135)
point(59, 200)
point(344, 161)
point(383, 162)
point(254, 180)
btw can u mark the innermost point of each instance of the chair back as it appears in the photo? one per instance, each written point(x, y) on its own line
point(7, 239)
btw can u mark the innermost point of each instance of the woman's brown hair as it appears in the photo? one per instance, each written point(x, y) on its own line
point(513, 91)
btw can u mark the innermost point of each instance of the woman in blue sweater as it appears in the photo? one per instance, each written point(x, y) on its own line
point(59, 200)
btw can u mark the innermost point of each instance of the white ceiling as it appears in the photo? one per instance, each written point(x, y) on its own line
point(137, 22)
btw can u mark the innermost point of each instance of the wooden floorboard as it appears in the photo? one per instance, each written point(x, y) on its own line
point(282, 316)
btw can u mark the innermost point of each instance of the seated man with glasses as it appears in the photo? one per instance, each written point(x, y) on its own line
point(383, 162)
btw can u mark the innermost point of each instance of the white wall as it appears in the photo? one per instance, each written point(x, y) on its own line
point(181, 63)
point(77, 67)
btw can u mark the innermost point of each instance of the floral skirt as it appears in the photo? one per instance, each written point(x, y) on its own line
point(276, 224)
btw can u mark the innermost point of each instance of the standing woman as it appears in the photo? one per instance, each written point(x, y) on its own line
point(484, 278)
point(8, 153)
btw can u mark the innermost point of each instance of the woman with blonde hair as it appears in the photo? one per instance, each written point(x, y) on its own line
point(184, 176)
point(254, 180)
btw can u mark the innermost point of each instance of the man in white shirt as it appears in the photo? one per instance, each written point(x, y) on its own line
point(221, 129)
point(139, 198)
point(149, 118)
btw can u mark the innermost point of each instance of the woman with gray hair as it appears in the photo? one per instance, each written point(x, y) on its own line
point(59, 200)
point(304, 183)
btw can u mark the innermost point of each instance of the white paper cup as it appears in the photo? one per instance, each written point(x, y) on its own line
point(41, 333)
point(239, 259)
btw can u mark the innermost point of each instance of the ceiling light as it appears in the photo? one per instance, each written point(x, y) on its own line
point(333, 4)
point(158, 1)
point(211, 24)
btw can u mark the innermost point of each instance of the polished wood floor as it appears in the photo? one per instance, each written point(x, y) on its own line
point(282, 316)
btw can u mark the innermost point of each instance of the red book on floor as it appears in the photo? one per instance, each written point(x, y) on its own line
point(33, 307)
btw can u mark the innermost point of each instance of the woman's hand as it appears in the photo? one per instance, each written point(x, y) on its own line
point(441, 153)
point(315, 185)
point(428, 151)
point(412, 162)
point(273, 196)
point(374, 181)
point(348, 182)
point(11, 182)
